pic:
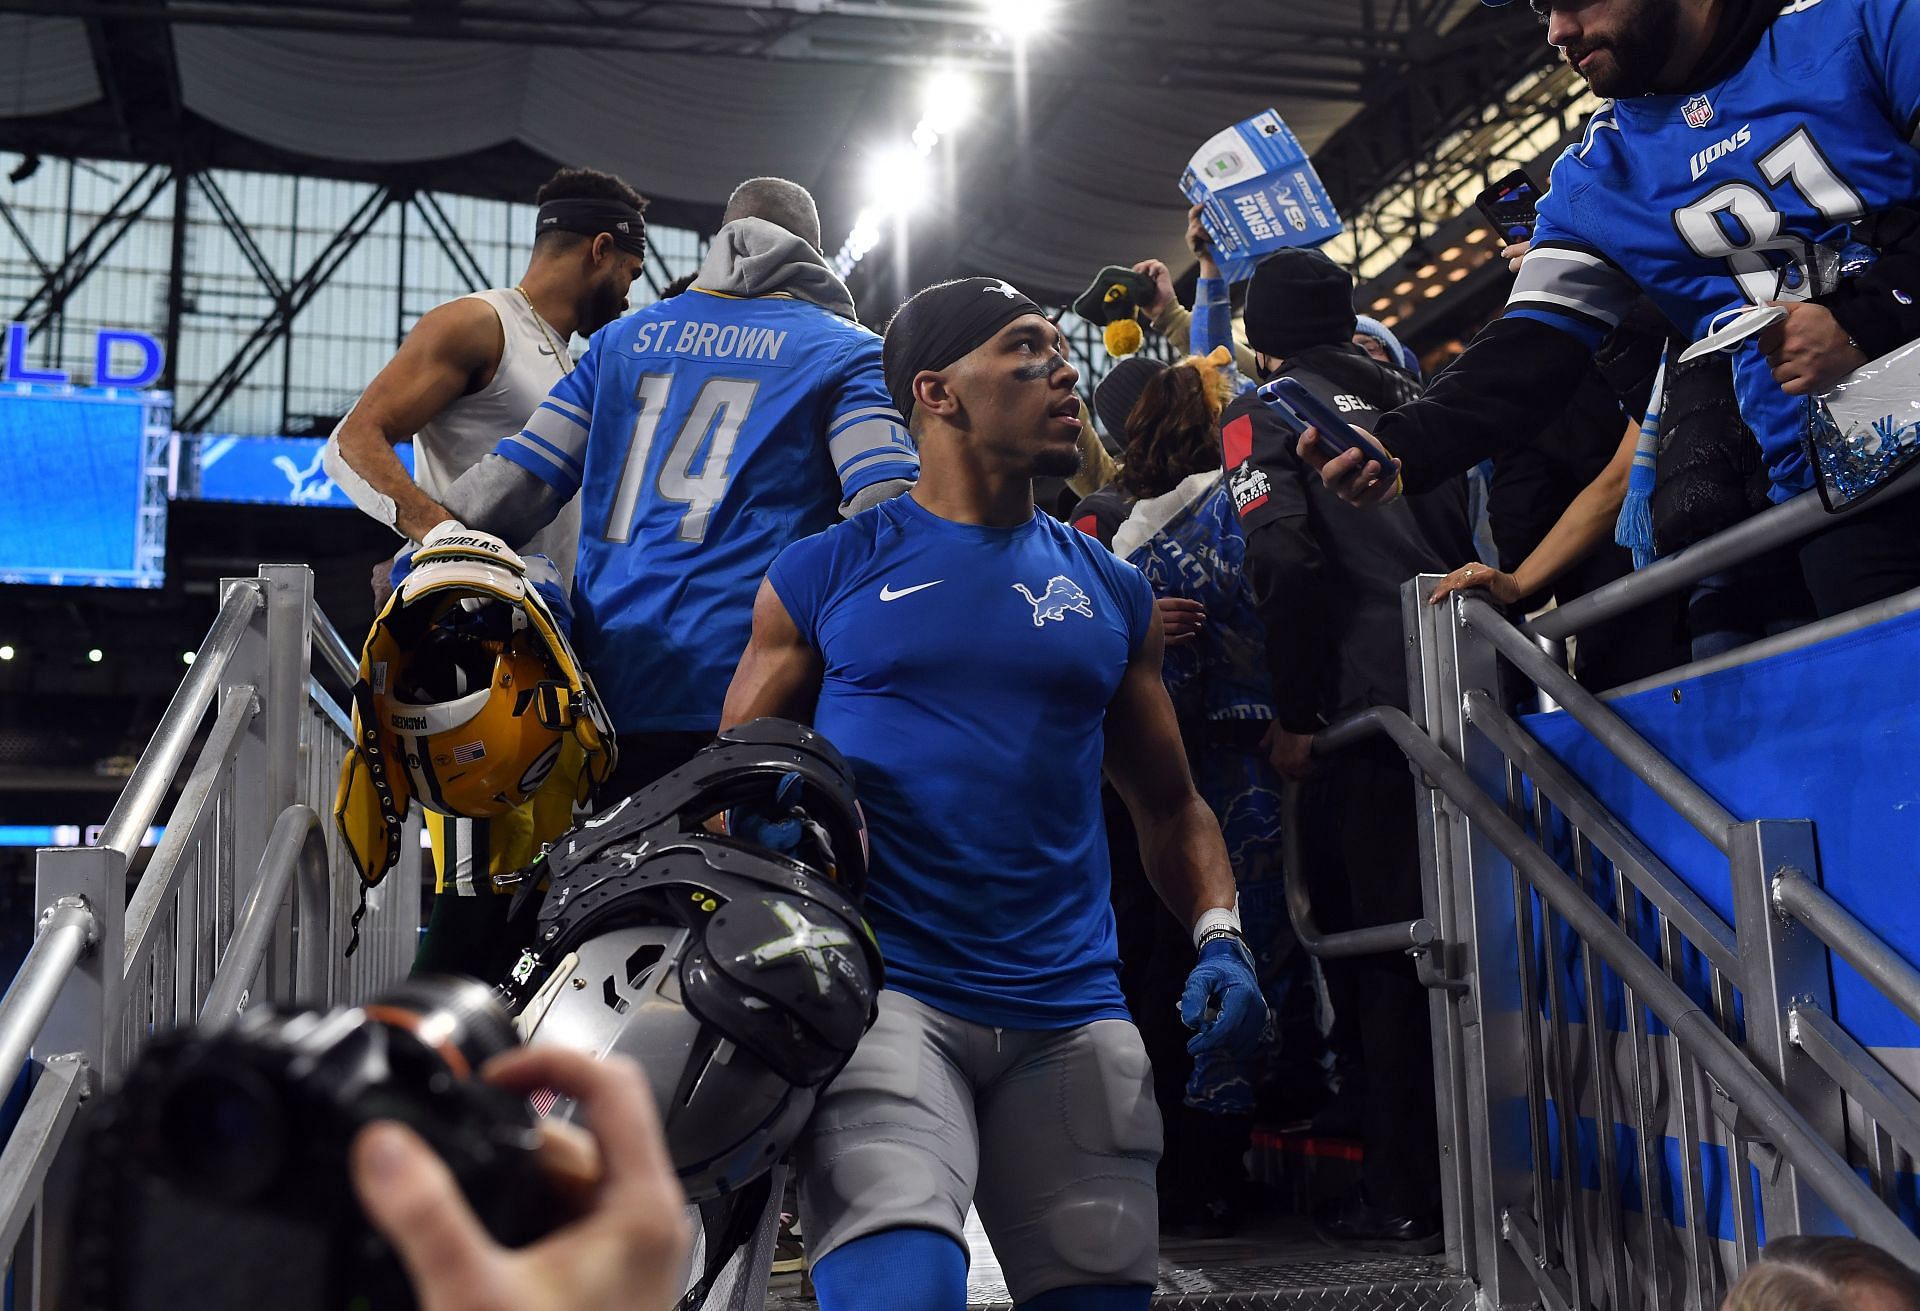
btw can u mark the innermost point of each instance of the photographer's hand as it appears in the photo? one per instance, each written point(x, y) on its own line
point(625, 1252)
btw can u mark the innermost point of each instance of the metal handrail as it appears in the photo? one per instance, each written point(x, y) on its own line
point(1773, 527)
point(318, 698)
point(1709, 817)
point(1822, 1166)
point(146, 789)
point(1374, 940)
point(191, 813)
point(1859, 1075)
point(333, 648)
point(1797, 895)
point(1697, 921)
point(66, 931)
point(35, 1141)
point(1794, 639)
point(1417, 935)
point(295, 844)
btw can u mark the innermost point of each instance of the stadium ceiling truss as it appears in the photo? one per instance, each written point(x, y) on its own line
point(1425, 77)
point(286, 291)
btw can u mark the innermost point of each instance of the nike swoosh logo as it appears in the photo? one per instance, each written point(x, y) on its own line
point(888, 594)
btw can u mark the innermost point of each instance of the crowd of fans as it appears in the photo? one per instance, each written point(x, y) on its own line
point(1276, 574)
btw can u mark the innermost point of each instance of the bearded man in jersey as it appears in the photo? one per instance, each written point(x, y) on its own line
point(978, 663)
point(1743, 137)
point(698, 436)
point(471, 370)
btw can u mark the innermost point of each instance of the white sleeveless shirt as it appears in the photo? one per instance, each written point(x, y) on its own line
point(466, 431)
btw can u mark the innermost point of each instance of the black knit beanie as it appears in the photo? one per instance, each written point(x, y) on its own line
point(1298, 298)
point(1115, 395)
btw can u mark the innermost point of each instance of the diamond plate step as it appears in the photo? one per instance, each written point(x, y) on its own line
point(1267, 1271)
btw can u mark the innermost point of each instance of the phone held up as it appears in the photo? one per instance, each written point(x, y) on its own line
point(1508, 205)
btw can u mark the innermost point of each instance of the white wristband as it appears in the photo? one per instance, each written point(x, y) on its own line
point(1217, 917)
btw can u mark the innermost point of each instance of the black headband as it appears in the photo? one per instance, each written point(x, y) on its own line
point(590, 216)
point(941, 324)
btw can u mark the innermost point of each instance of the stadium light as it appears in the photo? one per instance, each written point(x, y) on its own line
point(897, 181)
point(95, 655)
point(1019, 19)
point(188, 657)
point(6, 653)
point(948, 103)
point(900, 178)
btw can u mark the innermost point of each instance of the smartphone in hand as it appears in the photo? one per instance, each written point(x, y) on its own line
point(1508, 205)
point(1300, 409)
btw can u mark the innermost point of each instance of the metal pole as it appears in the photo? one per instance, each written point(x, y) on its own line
point(1672, 785)
point(1776, 526)
point(1858, 945)
point(1825, 1169)
point(289, 596)
point(289, 589)
point(1783, 964)
point(67, 929)
point(333, 648)
point(400, 280)
point(176, 284)
point(87, 1015)
point(30, 1157)
point(1857, 1070)
point(1447, 1011)
point(187, 820)
point(1491, 1024)
point(126, 827)
point(1374, 940)
point(1794, 639)
point(295, 842)
point(1555, 649)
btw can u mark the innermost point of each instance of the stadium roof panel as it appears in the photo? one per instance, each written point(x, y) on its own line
point(1072, 162)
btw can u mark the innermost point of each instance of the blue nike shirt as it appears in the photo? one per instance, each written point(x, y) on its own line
point(703, 433)
point(1709, 201)
point(968, 671)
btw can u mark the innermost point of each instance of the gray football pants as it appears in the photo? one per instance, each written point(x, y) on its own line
point(1052, 1135)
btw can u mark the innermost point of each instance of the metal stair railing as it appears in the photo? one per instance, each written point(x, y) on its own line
point(1627, 1082)
point(1580, 1116)
point(247, 897)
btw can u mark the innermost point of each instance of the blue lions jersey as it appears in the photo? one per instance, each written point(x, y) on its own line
point(967, 676)
point(1711, 201)
point(703, 433)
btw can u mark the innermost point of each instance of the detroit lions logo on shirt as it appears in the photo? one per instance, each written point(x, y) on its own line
point(1061, 595)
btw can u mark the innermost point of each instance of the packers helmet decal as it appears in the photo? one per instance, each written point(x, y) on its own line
point(466, 690)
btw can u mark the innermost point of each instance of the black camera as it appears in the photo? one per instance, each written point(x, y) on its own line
point(216, 1177)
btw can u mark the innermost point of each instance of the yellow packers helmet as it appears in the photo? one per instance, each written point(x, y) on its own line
point(464, 704)
point(467, 691)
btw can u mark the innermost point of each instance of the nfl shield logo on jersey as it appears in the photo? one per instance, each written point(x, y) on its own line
point(1698, 111)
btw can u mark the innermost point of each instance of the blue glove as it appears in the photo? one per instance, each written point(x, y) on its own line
point(778, 827)
point(1222, 1000)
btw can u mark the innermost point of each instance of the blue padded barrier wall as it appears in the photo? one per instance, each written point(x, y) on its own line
point(1829, 733)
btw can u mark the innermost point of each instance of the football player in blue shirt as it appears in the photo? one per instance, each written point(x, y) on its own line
point(979, 663)
point(702, 434)
point(1745, 141)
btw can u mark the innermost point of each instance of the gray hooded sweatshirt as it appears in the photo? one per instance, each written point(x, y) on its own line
point(748, 257)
